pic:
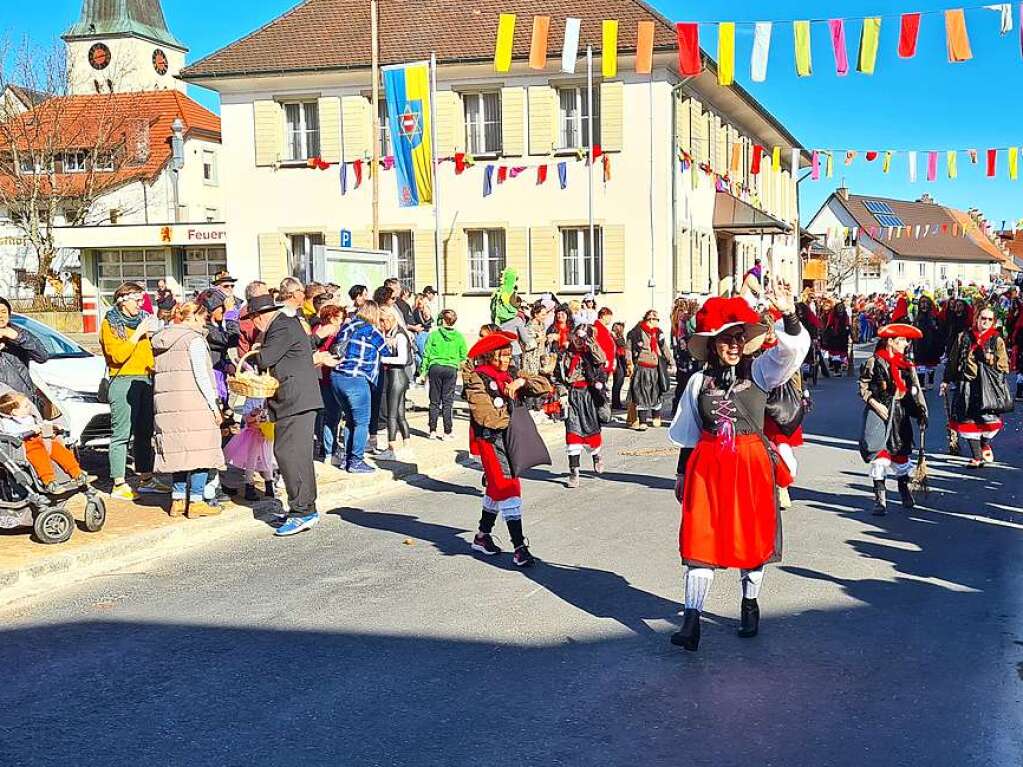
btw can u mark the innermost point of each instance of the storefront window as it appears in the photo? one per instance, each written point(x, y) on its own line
point(201, 264)
point(115, 267)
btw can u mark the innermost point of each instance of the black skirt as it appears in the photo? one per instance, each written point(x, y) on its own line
point(583, 417)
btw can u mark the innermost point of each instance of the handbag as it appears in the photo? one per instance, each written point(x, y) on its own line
point(786, 408)
point(523, 444)
point(103, 392)
point(994, 391)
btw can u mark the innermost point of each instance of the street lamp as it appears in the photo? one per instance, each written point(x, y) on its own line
point(177, 161)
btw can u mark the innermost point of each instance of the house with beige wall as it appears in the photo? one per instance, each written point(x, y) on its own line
point(291, 91)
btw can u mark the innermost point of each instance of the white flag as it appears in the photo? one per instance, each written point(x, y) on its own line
point(1005, 9)
point(570, 52)
point(761, 49)
point(912, 167)
point(794, 168)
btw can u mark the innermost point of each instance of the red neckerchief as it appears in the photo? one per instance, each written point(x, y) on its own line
point(563, 331)
point(652, 335)
point(979, 342)
point(501, 377)
point(576, 359)
point(897, 363)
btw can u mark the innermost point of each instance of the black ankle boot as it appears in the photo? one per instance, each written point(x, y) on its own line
point(749, 618)
point(905, 493)
point(880, 501)
point(689, 635)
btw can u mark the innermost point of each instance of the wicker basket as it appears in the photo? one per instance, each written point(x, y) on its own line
point(247, 387)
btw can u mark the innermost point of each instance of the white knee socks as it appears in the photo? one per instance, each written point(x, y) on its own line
point(698, 580)
point(752, 580)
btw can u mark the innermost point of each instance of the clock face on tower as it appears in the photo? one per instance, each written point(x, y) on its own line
point(160, 63)
point(99, 56)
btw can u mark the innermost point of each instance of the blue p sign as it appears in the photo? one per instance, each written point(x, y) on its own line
point(346, 238)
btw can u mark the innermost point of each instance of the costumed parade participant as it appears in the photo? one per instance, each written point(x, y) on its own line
point(927, 352)
point(493, 394)
point(753, 285)
point(583, 372)
point(975, 381)
point(652, 365)
point(728, 479)
point(835, 337)
point(890, 388)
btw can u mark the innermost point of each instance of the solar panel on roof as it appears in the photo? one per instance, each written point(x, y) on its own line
point(888, 220)
point(875, 207)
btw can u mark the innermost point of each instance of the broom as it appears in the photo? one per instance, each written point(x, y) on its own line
point(919, 481)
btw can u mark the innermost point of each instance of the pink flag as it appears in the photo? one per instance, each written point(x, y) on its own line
point(837, 27)
point(815, 166)
point(932, 166)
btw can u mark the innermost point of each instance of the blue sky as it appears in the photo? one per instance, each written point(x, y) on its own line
point(923, 104)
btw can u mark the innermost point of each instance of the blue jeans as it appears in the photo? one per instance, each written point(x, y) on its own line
point(421, 344)
point(330, 420)
point(196, 484)
point(353, 394)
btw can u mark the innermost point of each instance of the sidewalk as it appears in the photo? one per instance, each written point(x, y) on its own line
point(140, 532)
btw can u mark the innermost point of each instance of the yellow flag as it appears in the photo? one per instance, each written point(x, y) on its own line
point(887, 164)
point(953, 161)
point(776, 159)
point(609, 51)
point(726, 53)
point(1013, 163)
point(868, 44)
point(801, 31)
point(505, 38)
point(831, 165)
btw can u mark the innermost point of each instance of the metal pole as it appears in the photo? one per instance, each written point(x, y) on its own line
point(589, 125)
point(436, 181)
point(671, 164)
point(375, 45)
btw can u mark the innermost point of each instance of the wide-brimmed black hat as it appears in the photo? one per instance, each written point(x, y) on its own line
point(259, 305)
point(223, 278)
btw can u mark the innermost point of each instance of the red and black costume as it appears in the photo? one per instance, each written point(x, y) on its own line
point(972, 352)
point(582, 374)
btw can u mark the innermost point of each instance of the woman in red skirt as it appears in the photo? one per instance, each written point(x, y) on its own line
point(728, 476)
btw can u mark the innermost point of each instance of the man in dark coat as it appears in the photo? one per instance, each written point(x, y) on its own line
point(287, 352)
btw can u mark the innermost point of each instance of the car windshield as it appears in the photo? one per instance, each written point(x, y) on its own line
point(57, 345)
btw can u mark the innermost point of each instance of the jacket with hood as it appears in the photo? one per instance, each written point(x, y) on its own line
point(445, 346)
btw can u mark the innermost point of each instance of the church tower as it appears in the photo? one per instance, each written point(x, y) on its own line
point(124, 46)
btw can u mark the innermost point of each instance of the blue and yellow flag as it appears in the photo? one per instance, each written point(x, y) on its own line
point(409, 115)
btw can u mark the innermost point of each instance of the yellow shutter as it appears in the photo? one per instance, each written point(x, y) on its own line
point(423, 249)
point(273, 258)
point(450, 124)
point(455, 262)
point(330, 129)
point(683, 124)
point(268, 122)
point(332, 238)
point(356, 128)
point(543, 120)
point(721, 150)
point(515, 253)
point(544, 265)
point(698, 137)
point(614, 259)
point(513, 102)
point(612, 116)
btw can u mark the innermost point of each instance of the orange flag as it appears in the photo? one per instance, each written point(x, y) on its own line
point(956, 36)
point(644, 47)
point(538, 47)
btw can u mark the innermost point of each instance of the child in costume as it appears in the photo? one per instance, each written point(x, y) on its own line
point(251, 450)
point(582, 374)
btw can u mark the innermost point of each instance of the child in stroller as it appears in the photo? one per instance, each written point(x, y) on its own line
point(38, 474)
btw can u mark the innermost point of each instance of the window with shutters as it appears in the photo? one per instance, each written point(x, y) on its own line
point(399, 244)
point(302, 130)
point(386, 149)
point(486, 258)
point(300, 254)
point(574, 117)
point(582, 267)
point(209, 167)
point(923, 269)
point(482, 123)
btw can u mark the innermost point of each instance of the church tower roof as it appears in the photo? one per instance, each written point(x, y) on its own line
point(131, 18)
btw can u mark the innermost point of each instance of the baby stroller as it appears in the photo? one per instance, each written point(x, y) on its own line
point(24, 501)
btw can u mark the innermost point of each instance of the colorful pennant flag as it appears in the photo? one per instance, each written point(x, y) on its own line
point(609, 49)
point(815, 166)
point(837, 28)
point(606, 159)
point(758, 155)
point(794, 162)
point(505, 38)
point(1013, 164)
point(957, 39)
point(952, 158)
point(776, 159)
point(761, 51)
point(570, 49)
point(886, 164)
point(850, 156)
point(1005, 9)
point(911, 156)
point(502, 174)
point(801, 34)
point(726, 53)
point(689, 60)
point(869, 39)
point(932, 166)
point(871, 156)
point(344, 178)
point(909, 31)
point(488, 181)
point(563, 174)
point(736, 158)
point(538, 45)
point(992, 162)
point(541, 175)
point(830, 165)
point(644, 47)
point(973, 156)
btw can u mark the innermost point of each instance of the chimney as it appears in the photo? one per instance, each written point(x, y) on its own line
point(926, 198)
point(843, 192)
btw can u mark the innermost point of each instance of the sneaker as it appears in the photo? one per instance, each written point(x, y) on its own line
point(522, 557)
point(448, 437)
point(197, 509)
point(177, 508)
point(360, 467)
point(296, 525)
point(484, 544)
point(639, 426)
point(153, 486)
point(573, 478)
point(386, 455)
point(598, 464)
point(988, 455)
point(123, 492)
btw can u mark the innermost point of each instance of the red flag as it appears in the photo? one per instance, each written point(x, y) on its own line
point(992, 161)
point(758, 153)
point(460, 164)
point(357, 167)
point(597, 152)
point(908, 32)
point(944, 228)
point(871, 156)
point(502, 174)
point(689, 59)
point(541, 175)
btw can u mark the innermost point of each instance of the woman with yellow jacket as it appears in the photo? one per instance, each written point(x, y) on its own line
point(124, 337)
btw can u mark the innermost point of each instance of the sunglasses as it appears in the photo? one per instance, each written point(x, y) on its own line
point(731, 339)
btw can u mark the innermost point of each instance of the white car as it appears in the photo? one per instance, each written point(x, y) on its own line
point(70, 379)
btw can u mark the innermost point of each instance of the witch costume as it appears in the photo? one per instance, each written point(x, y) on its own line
point(977, 362)
point(651, 361)
point(729, 474)
point(582, 375)
point(891, 391)
point(927, 351)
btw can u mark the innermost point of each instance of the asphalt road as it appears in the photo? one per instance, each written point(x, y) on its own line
point(378, 639)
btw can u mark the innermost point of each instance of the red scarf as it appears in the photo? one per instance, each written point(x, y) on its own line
point(980, 342)
point(896, 363)
point(501, 377)
point(652, 334)
point(563, 331)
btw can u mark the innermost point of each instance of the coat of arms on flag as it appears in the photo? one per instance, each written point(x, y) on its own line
point(408, 115)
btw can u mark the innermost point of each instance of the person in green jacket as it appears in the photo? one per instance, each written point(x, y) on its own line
point(445, 352)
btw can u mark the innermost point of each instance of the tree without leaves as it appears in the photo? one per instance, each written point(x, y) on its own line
point(844, 263)
point(63, 154)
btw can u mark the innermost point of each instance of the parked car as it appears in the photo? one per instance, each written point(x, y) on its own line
point(71, 380)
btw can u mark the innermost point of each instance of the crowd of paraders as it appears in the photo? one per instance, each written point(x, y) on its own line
point(734, 369)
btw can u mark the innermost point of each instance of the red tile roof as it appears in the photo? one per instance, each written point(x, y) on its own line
point(335, 34)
